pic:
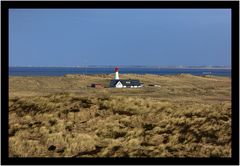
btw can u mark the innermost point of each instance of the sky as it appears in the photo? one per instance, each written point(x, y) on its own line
point(149, 37)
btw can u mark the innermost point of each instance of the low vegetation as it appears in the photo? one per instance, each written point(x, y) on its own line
point(187, 116)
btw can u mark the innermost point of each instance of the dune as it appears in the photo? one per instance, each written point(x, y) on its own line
point(187, 116)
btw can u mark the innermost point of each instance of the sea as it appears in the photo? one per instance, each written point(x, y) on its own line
point(61, 71)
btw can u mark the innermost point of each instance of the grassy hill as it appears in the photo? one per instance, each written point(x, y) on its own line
point(186, 116)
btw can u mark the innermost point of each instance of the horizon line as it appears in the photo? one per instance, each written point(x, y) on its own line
point(137, 66)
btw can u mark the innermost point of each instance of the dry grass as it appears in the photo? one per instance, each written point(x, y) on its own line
point(187, 116)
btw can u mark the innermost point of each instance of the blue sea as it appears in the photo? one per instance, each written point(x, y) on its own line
point(61, 71)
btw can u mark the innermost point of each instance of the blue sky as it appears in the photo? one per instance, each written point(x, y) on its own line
point(162, 37)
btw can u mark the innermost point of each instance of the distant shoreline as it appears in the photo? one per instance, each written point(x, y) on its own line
point(147, 67)
point(58, 71)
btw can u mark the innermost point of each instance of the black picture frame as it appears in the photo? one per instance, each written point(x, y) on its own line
point(233, 5)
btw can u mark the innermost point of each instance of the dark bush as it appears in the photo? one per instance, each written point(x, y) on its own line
point(51, 148)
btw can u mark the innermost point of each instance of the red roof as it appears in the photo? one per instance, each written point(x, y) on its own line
point(116, 69)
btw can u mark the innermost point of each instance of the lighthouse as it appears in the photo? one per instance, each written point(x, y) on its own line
point(117, 83)
point(116, 74)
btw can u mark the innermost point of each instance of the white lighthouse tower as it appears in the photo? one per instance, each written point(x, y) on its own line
point(116, 74)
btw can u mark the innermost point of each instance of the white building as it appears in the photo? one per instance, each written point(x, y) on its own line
point(117, 83)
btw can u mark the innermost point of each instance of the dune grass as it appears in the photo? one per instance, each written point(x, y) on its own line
point(188, 116)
